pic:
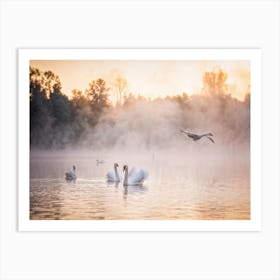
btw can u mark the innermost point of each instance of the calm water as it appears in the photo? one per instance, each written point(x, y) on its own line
point(175, 189)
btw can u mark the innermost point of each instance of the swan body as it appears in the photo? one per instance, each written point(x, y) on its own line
point(113, 176)
point(71, 175)
point(196, 137)
point(134, 177)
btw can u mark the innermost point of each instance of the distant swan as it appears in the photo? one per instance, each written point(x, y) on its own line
point(113, 176)
point(100, 161)
point(71, 175)
point(196, 137)
point(134, 178)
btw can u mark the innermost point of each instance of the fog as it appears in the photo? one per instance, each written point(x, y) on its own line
point(156, 125)
point(137, 126)
point(147, 134)
point(107, 122)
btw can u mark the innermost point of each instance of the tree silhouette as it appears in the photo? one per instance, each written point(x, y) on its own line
point(49, 110)
point(98, 94)
point(40, 117)
point(57, 120)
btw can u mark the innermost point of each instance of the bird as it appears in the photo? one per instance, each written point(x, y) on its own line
point(100, 161)
point(71, 175)
point(113, 176)
point(196, 137)
point(134, 177)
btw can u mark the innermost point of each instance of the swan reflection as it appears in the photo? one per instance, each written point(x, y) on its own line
point(132, 190)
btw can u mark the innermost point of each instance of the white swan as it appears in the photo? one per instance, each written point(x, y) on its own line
point(71, 175)
point(196, 137)
point(134, 178)
point(113, 176)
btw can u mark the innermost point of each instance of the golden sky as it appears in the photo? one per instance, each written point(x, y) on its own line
point(148, 78)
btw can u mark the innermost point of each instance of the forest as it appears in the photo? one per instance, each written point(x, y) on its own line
point(89, 119)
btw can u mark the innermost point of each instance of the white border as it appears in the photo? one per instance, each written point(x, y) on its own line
point(253, 55)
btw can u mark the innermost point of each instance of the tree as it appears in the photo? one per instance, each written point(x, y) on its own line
point(121, 86)
point(49, 110)
point(51, 82)
point(78, 100)
point(80, 114)
point(214, 82)
point(98, 94)
point(247, 97)
point(182, 100)
point(40, 117)
point(129, 100)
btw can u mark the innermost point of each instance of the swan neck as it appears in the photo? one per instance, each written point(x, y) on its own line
point(116, 173)
point(125, 177)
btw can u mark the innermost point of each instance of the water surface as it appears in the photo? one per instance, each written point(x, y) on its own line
point(175, 189)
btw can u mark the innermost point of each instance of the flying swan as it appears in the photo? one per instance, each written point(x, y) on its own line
point(113, 176)
point(71, 175)
point(196, 137)
point(134, 178)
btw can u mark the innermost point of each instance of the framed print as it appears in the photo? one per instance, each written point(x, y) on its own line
point(140, 139)
point(190, 219)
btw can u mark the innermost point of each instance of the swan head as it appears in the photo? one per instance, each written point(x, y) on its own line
point(116, 165)
point(210, 134)
point(125, 168)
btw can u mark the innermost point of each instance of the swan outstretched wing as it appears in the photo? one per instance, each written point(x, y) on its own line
point(190, 134)
point(211, 139)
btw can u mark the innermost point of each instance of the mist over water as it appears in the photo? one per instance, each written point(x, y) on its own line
point(187, 179)
point(156, 125)
point(187, 184)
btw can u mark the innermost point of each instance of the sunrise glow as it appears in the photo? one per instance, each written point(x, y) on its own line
point(151, 79)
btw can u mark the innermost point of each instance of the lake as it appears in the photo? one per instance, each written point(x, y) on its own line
point(182, 187)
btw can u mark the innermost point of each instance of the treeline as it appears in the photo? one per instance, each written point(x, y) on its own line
point(55, 119)
point(89, 119)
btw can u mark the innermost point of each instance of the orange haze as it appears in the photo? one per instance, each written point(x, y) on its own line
point(148, 78)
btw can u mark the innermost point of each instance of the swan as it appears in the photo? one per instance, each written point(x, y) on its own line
point(113, 176)
point(134, 178)
point(196, 137)
point(71, 175)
